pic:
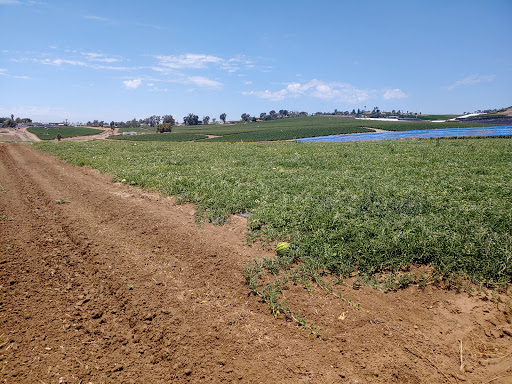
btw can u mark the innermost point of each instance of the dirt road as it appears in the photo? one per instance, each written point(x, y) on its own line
point(101, 282)
point(17, 134)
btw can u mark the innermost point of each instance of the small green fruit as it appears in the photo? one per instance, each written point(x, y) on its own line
point(283, 248)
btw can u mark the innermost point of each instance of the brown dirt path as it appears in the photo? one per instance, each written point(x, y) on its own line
point(118, 285)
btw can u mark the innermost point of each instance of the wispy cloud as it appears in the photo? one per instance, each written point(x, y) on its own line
point(3, 72)
point(132, 84)
point(100, 57)
point(472, 80)
point(169, 63)
point(394, 94)
point(204, 82)
point(316, 88)
point(188, 60)
point(78, 63)
point(10, 2)
point(153, 26)
point(98, 18)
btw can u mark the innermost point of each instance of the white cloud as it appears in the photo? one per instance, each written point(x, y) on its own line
point(316, 88)
point(97, 18)
point(204, 82)
point(9, 2)
point(189, 60)
point(132, 84)
point(471, 80)
point(59, 62)
point(200, 61)
point(77, 63)
point(3, 72)
point(394, 94)
point(91, 56)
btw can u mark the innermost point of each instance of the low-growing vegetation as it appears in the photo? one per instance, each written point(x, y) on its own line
point(292, 128)
point(50, 133)
point(365, 211)
point(162, 137)
point(370, 205)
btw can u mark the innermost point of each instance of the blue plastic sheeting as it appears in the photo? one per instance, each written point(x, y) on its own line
point(417, 134)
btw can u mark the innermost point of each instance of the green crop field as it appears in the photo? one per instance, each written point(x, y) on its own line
point(292, 128)
point(162, 137)
point(368, 207)
point(368, 211)
point(51, 133)
point(145, 129)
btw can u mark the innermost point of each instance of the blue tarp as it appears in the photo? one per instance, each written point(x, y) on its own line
point(416, 134)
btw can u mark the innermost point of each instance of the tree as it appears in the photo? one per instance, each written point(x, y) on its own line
point(8, 123)
point(206, 119)
point(263, 115)
point(223, 117)
point(168, 119)
point(191, 119)
point(165, 127)
point(245, 117)
point(112, 125)
point(154, 120)
point(214, 120)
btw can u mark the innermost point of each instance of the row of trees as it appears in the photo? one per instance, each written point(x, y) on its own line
point(192, 119)
point(12, 122)
point(273, 115)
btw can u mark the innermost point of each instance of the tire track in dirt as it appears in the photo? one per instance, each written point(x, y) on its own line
point(118, 285)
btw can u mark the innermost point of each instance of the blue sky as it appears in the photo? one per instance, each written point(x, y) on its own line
point(118, 60)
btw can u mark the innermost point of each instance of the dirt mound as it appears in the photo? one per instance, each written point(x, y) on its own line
point(507, 112)
point(101, 282)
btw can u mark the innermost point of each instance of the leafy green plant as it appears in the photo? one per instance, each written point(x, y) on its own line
point(348, 208)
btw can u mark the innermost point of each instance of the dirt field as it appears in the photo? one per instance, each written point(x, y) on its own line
point(111, 284)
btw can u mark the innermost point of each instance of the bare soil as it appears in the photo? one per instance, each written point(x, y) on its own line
point(114, 284)
point(507, 112)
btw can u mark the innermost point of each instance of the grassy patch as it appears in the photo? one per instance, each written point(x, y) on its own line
point(51, 133)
